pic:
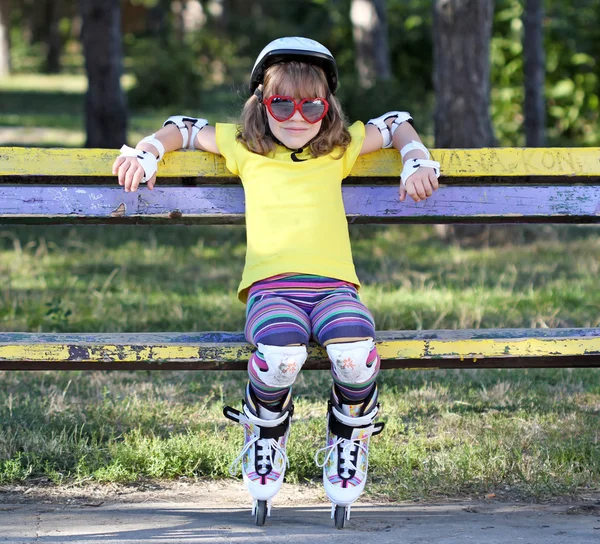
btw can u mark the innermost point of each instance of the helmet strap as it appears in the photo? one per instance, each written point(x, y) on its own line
point(259, 94)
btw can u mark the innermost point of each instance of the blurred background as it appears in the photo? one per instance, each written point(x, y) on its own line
point(526, 71)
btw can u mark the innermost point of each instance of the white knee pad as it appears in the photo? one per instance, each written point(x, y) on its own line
point(283, 362)
point(350, 361)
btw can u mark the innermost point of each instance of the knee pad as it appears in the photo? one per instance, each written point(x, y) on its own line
point(283, 362)
point(350, 361)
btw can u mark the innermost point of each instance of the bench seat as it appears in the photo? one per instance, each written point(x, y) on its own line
point(475, 348)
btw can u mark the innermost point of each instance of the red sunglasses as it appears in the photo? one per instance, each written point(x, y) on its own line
point(283, 108)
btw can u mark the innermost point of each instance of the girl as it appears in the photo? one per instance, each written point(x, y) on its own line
point(291, 150)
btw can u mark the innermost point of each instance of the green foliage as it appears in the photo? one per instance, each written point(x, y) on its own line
point(166, 75)
point(571, 46)
point(177, 66)
point(573, 49)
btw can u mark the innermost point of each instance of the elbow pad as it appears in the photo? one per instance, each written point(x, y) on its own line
point(179, 122)
point(387, 133)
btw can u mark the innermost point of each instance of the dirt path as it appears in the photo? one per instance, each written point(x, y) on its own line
point(218, 512)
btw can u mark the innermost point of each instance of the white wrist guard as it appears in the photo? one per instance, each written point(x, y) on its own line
point(153, 140)
point(412, 146)
point(146, 159)
point(412, 165)
point(179, 121)
point(387, 133)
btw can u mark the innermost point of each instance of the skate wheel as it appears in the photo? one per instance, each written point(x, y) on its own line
point(339, 516)
point(260, 512)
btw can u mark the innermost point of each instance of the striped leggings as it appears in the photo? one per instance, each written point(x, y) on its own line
point(289, 309)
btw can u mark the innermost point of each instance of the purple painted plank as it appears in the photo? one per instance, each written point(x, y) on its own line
point(227, 339)
point(225, 204)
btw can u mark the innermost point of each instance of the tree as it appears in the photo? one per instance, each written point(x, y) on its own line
point(534, 68)
point(53, 11)
point(4, 37)
point(369, 28)
point(462, 31)
point(106, 109)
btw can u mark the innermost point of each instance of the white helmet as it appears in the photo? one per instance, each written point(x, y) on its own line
point(295, 48)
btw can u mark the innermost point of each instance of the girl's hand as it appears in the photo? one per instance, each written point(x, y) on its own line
point(130, 173)
point(419, 185)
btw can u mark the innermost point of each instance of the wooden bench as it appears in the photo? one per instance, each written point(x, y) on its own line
point(75, 186)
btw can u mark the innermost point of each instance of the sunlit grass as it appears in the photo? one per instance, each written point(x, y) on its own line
point(516, 433)
point(38, 110)
point(50, 83)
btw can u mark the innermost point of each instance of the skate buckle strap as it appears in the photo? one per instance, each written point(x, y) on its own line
point(261, 432)
point(349, 436)
point(354, 433)
point(262, 435)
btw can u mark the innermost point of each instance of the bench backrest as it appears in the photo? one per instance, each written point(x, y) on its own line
point(504, 185)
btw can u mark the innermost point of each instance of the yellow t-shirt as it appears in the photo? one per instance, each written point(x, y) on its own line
point(295, 217)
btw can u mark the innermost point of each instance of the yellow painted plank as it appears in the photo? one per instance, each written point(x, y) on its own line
point(385, 163)
point(398, 349)
point(484, 349)
point(40, 352)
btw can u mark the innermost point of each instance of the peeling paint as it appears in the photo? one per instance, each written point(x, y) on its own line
point(120, 211)
point(473, 350)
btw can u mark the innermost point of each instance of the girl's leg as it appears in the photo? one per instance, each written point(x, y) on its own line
point(280, 331)
point(273, 322)
point(345, 326)
point(341, 320)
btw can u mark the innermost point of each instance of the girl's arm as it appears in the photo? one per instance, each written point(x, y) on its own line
point(130, 170)
point(421, 183)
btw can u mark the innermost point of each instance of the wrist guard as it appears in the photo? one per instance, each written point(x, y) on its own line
point(412, 165)
point(153, 140)
point(147, 160)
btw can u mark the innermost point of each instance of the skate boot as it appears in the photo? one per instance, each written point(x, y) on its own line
point(263, 456)
point(349, 428)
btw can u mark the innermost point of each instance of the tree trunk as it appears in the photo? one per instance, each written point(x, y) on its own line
point(54, 10)
point(4, 37)
point(535, 71)
point(462, 31)
point(157, 21)
point(369, 27)
point(106, 109)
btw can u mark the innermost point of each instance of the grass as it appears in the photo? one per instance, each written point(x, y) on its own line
point(48, 111)
point(515, 433)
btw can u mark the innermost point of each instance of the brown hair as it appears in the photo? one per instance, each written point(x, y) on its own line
point(299, 80)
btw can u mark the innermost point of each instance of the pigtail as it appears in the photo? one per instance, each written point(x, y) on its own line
point(254, 130)
point(334, 133)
